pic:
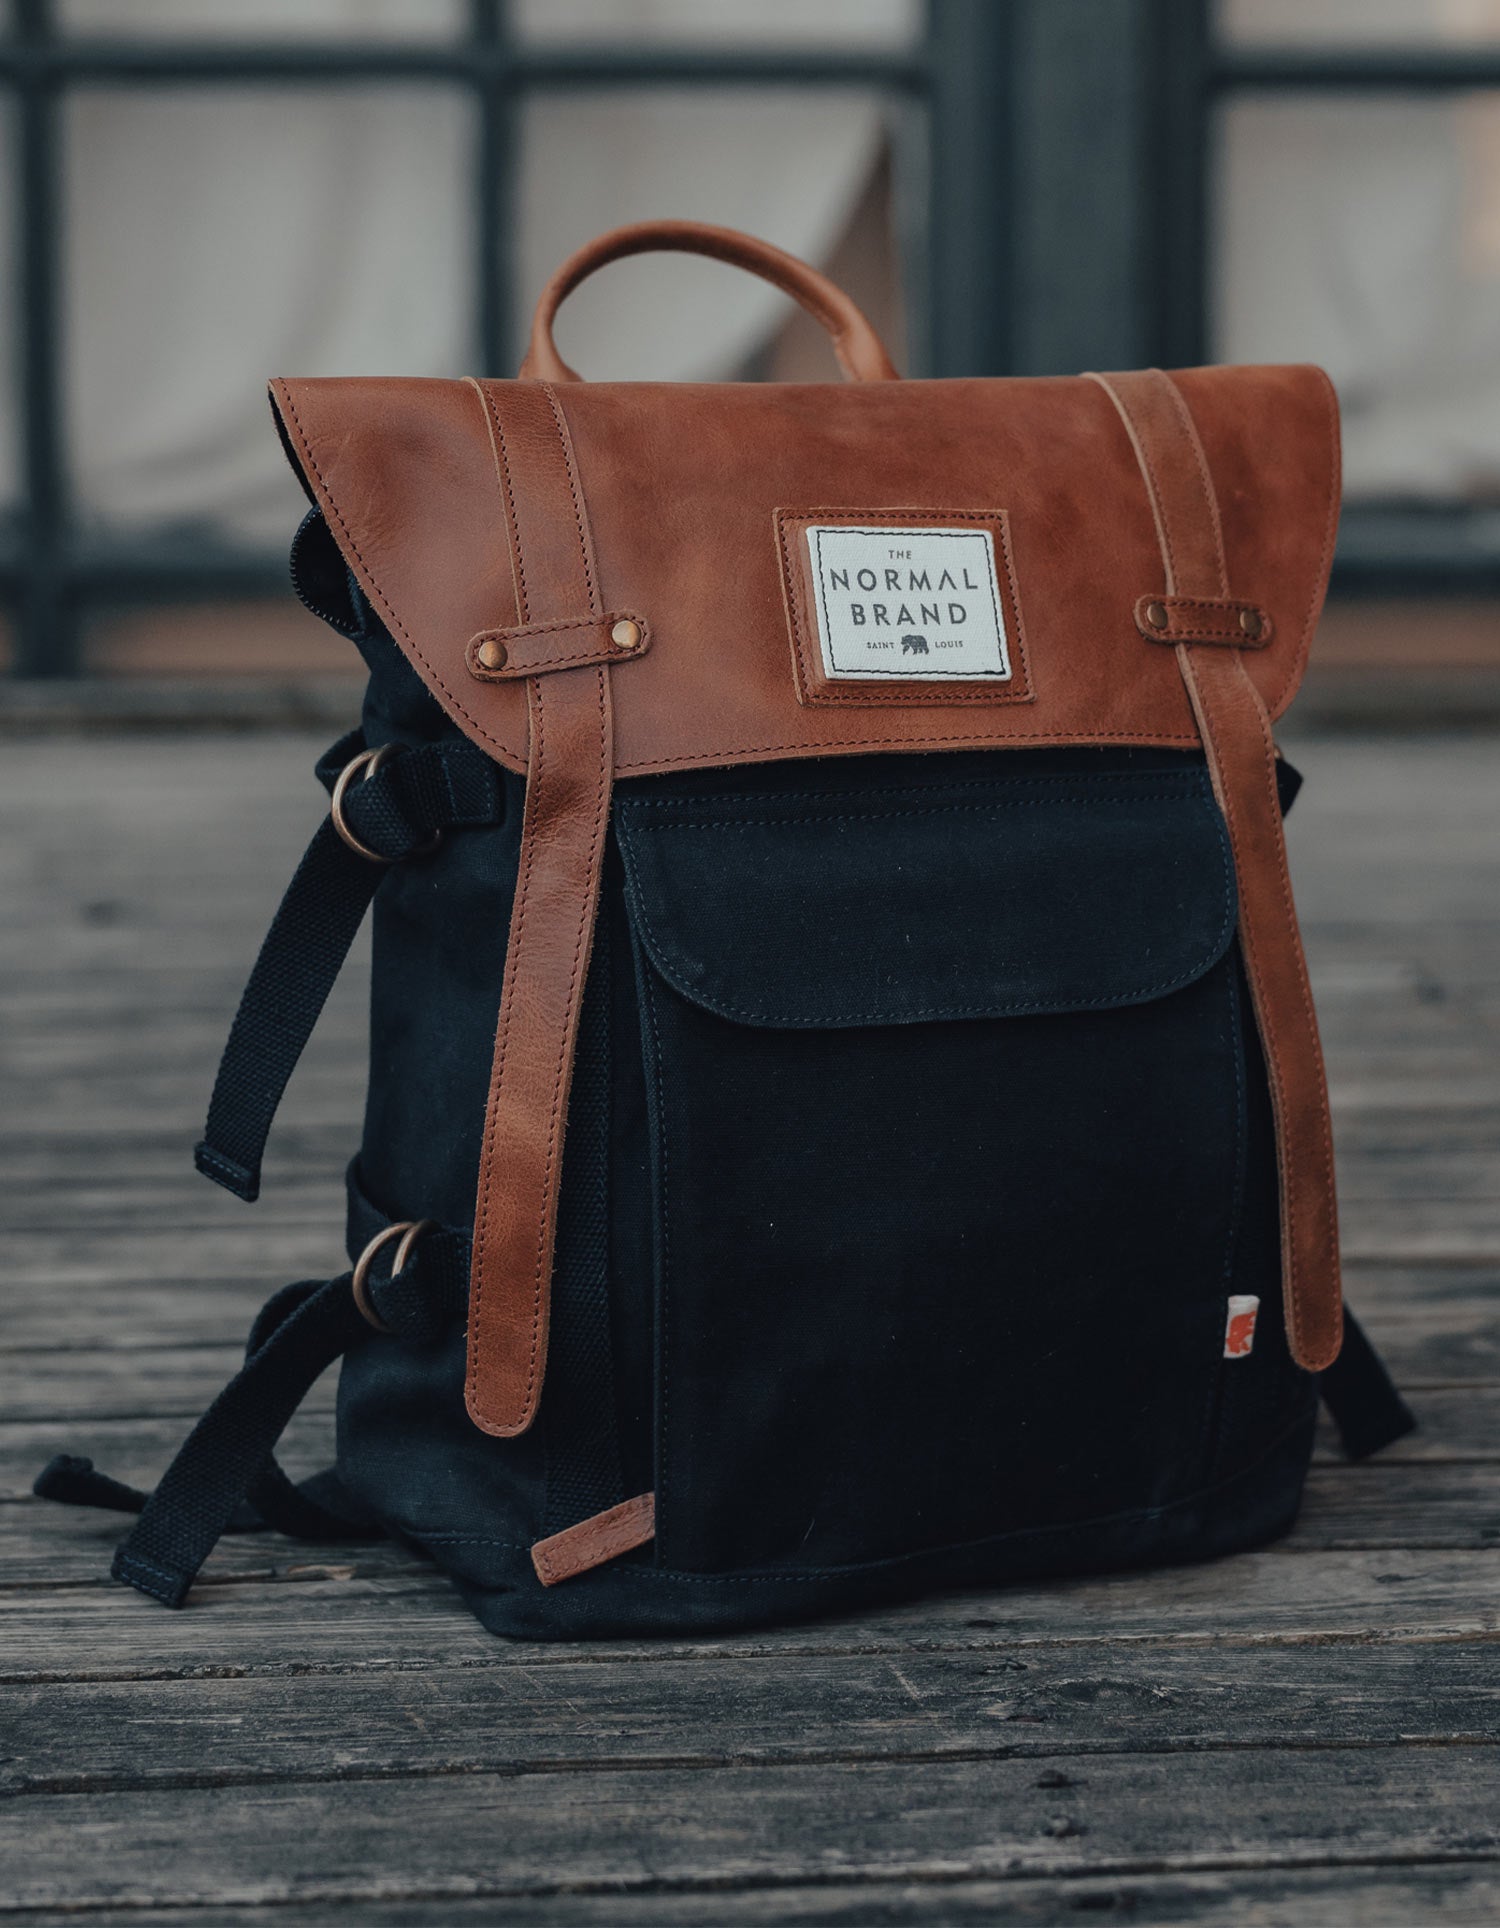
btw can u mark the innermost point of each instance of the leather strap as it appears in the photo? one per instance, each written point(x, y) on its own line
point(570, 769)
point(578, 1549)
point(1236, 735)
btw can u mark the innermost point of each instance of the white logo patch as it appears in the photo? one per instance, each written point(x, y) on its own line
point(918, 603)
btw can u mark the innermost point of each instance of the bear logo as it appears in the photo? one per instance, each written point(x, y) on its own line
point(913, 645)
point(1239, 1327)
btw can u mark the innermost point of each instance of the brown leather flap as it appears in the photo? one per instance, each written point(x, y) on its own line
point(684, 485)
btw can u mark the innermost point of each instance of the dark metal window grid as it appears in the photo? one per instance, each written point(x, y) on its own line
point(1055, 198)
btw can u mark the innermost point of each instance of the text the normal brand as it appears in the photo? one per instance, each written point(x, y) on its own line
point(898, 602)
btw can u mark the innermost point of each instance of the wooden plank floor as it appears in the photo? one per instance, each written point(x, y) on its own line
point(1310, 1733)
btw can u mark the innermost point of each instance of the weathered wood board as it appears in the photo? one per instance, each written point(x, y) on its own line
point(1310, 1732)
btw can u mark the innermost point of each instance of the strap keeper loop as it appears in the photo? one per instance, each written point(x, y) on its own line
point(1224, 620)
point(408, 1231)
point(357, 770)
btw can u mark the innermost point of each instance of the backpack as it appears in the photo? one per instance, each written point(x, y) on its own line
point(846, 1116)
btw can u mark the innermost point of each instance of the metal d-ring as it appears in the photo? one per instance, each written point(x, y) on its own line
point(356, 770)
point(408, 1230)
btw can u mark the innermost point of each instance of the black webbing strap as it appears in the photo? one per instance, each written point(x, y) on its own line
point(1358, 1392)
point(226, 1480)
point(396, 811)
point(224, 1477)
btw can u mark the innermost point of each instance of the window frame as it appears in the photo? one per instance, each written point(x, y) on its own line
point(1069, 252)
point(1386, 546)
point(52, 569)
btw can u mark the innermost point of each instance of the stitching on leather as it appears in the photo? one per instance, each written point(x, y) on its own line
point(1304, 988)
point(1205, 481)
point(963, 739)
point(799, 654)
point(1330, 531)
point(1213, 605)
point(910, 514)
point(575, 489)
point(1144, 464)
point(512, 519)
point(582, 659)
point(1159, 509)
point(1008, 563)
point(559, 1080)
point(1203, 696)
point(607, 1535)
point(1298, 663)
point(1197, 633)
point(1251, 943)
point(1250, 940)
point(585, 922)
point(304, 447)
point(480, 1265)
point(547, 629)
point(1191, 632)
point(1198, 619)
point(536, 781)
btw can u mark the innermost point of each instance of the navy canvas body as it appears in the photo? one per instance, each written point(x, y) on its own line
point(918, 1144)
point(926, 1139)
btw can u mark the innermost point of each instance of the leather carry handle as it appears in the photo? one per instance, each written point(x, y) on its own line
point(860, 351)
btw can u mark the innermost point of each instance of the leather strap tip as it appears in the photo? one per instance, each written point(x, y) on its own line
point(592, 1542)
point(242, 1180)
point(499, 1419)
point(1317, 1351)
point(1224, 620)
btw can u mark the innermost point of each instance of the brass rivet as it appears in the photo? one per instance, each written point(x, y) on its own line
point(1250, 621)
point(626, 634)
point(1156, 615)
point(492, 653)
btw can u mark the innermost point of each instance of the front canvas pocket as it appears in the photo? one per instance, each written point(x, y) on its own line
point(946, 1085)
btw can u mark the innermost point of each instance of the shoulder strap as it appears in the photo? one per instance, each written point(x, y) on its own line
point(570, 766)
point(1236, 735)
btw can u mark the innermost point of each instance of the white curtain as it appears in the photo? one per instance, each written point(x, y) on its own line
point(1365, 235)
point(214, 237)
point(1363, 232)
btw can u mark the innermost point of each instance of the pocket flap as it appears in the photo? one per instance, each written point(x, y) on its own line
point(982, 899)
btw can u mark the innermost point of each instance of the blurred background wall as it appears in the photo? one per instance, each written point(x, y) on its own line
point(200, 193)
